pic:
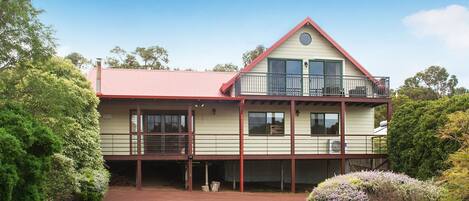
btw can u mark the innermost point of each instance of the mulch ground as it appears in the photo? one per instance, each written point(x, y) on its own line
point(121, 193)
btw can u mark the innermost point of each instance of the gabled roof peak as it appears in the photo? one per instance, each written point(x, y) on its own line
point(307, 21)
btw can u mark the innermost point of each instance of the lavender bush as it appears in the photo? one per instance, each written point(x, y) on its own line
point(374, 185)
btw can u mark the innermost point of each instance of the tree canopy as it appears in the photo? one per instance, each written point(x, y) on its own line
point(153, 57)
point(57, 94)
point(26, 147)
point(430, 84)
point(78, 60)
point(250, 55)
point(229, 67)
point(22, 36)
point(417, 148)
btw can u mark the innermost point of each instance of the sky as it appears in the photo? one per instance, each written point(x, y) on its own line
point(389, 38)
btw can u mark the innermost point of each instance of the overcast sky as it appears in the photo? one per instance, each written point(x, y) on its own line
point(394, 38)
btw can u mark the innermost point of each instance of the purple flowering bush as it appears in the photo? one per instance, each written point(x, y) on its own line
point(374, 185)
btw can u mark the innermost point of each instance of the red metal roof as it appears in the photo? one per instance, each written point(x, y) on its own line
point(140, 83)
point(308, 21)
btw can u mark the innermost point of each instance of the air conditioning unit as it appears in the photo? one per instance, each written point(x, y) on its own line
point(333, 146)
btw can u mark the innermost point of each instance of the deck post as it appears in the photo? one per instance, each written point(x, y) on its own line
point(292, 145)
point(189, 147)
point(241, 145)
point(139, 149)
point(342, 137)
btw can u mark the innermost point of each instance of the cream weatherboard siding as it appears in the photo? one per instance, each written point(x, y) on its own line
point(216, 129)
point(319, 48)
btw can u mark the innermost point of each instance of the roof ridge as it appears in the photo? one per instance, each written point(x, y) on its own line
point(165, 71)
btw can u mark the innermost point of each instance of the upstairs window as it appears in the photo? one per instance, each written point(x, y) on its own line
point(266, 123)
point(324, 124)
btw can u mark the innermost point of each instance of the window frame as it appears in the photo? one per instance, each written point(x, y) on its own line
point(267, 133)
point(162, 114)
point(285, 76)
point(325, 128)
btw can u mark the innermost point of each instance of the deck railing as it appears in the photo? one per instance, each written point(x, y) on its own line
point(280, 84)
point(228, 144)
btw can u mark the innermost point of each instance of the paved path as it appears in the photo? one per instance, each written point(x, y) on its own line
point(170, 194)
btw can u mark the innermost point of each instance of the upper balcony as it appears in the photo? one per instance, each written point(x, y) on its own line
point(281, 84)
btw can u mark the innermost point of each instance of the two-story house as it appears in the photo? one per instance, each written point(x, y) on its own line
point(297, 113)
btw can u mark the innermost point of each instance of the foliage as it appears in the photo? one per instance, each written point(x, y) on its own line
point(26, 147)
point(229, 67)
point(22, 36)
point(57, 94)
point(417, 149)
point(154, 57)
point(91, 182)
point(432, 83)
point(456, 178)
point(62, 181)
point(374, 185)
point(78, 60)
point(249, 56)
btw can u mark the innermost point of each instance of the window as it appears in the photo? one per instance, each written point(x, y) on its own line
point(160, 122)
point(266, 123)
point(324, 123)
point(285, 77)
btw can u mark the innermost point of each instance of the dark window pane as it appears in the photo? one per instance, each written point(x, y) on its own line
point(276, 77)
point(257, 123)
point(332, 123)
point(183, 123)
point(293, 79)
point(317, 123)
point(316, 68)
point(276, 123)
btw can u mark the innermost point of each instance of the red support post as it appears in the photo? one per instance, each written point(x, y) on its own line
point(292, 145)
point(241, 146)
point(190, 154)
point(139, 149)
point(342, 137)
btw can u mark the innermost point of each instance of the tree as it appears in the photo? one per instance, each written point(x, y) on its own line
point(417, 149)
point(26, 147)
point(229, 67)
point(249, 56)
point(22, 36)
point(154, 57)
point(57, 94)
point(122, 59)
point(432, 83)
point(456, 178)
point(429, 84)
point(78, 60)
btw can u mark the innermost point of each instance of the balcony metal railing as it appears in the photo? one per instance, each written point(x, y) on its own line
point(279, 84)
point(228, 144)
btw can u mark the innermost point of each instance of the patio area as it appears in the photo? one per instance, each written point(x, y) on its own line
point(117, 193)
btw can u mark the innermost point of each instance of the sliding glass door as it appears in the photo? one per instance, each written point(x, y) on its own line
point(325, 78)
point(285, 77)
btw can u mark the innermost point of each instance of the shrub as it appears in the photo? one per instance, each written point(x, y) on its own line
point(374, 185)
point(62, 181)
point(57, 94)
point(26, 147)
point(415, 147)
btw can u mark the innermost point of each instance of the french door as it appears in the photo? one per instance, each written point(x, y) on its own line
point(165, 132)
point(285, 77)
point(325, 78)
